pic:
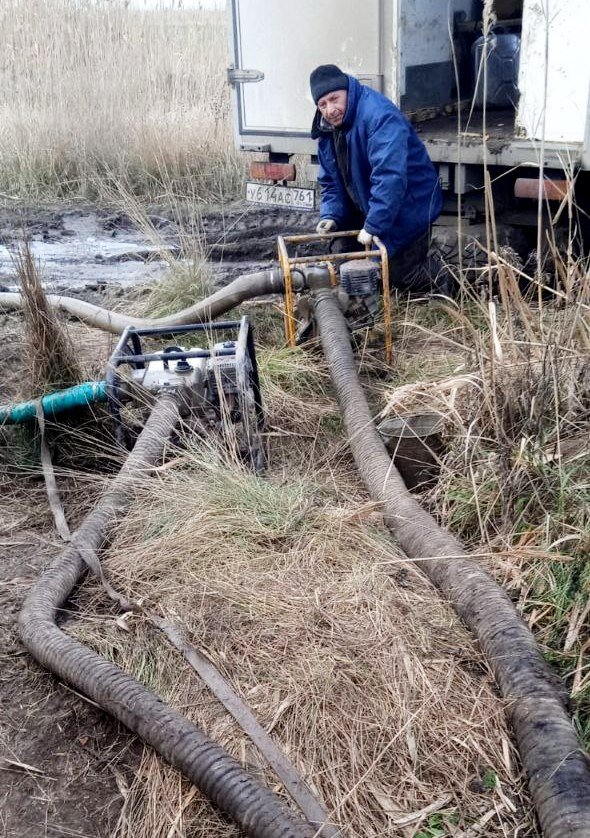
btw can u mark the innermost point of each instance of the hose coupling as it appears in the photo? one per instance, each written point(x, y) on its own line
point(317, 279)
point(276, 281)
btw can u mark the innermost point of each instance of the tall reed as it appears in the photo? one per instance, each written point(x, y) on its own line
point(92, 89)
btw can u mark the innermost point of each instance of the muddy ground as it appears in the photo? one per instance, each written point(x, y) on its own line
point(64, 764)
point(82, 248)
point(61, 759)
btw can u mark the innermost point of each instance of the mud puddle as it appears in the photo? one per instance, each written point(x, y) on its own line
point(90, 249)
point(76, 250)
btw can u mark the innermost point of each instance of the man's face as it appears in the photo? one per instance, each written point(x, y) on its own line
point(332, 106)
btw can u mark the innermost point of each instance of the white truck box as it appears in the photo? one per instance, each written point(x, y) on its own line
point(405, 49)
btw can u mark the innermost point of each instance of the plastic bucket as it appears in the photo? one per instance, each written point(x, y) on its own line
point(503, 57)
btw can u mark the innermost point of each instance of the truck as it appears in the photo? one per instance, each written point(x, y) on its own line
point(498, 91)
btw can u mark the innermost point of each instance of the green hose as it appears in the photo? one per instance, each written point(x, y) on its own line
point(79, 396)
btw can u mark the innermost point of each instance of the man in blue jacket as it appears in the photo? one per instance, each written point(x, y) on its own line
point(375, 173)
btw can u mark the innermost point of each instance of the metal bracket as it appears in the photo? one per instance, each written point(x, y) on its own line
point(254, 147)
point(235, 75)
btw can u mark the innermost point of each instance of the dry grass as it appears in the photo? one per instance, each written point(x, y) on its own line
point(290, 583)
point(51, 359)
point(98, 90)
point(511, 384)
point(345, 652)
point(189, 276)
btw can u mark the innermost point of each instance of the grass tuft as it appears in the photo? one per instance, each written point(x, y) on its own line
point(51, 359)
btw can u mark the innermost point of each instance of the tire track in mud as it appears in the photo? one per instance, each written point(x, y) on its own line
point(249, 232)
point(87, 249)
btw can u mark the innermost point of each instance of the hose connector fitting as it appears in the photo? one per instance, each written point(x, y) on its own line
point(317, 278)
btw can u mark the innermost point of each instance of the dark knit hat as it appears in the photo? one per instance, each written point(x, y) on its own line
point(325, 79)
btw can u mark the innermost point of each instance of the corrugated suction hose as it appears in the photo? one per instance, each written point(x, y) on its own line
point(242, 288)
point(555, 763)
point(219, 776)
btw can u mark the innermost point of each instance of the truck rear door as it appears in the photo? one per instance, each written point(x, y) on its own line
point(276, 44)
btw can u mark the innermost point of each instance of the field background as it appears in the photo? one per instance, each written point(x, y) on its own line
point(95, 91)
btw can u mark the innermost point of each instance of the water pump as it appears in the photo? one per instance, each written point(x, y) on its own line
point(361, 279)
point(218, 379)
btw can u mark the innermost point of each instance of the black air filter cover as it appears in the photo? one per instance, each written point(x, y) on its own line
point(360, 278)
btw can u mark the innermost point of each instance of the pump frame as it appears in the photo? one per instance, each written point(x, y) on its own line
point(129, 350)
point(289, 263)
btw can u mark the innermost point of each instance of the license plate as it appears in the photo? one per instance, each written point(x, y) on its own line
point(280, 196)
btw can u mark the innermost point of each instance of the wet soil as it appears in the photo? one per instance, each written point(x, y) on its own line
point(88, 248)
point(62, 760)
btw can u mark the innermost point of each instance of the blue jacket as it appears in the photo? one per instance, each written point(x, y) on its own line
point(391, 176)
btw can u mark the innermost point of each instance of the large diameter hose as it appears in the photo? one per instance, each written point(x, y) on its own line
point(252, 805)
point(242, 288)
point(557, 768)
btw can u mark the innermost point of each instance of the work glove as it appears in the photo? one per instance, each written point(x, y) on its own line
point(326, 225)
point(364, 237)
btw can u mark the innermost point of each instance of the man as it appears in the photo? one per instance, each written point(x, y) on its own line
point(375, 173)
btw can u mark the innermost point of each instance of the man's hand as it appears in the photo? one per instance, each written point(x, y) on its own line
point(364, 238)
point(326, 225)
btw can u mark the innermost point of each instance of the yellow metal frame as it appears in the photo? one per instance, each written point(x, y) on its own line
point(288, 263)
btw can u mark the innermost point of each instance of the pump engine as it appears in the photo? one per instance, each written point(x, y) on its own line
point(360, 280)
point(219, 382)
